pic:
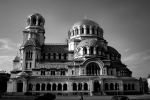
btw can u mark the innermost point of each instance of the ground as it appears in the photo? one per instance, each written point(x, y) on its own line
point(132, 97)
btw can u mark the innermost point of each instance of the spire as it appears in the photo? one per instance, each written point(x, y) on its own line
point(85, 17)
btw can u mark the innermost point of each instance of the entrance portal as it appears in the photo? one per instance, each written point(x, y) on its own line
point(96, 86)
point(20, 86)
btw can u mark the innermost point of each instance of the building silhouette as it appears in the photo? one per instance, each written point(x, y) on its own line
point(85, 64)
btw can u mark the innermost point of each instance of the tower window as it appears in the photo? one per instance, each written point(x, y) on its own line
point(42, 72)
point(88, 31)
point(34, 21)
point(82, 30)
point(30, 64)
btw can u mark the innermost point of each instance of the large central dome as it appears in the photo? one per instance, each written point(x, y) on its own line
point(85, 22)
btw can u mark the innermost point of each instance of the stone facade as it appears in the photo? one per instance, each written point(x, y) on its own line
point(85, 64)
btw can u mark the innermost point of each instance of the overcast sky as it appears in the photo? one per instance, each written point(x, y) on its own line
point(126, 25)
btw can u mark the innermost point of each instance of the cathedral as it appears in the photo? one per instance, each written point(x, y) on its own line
point(84, 64)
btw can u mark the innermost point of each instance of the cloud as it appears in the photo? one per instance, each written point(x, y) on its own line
point(6, 59)
point(7, 45)
point(137, 58)
point(127, 50)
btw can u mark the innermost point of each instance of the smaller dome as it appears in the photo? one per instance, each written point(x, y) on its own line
point(85, 22)
point(89, 42)
point(112, 50)
point(17, 59)
point(22, 74)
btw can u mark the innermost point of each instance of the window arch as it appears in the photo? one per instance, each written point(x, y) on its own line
point(59, 87)
point(80, 86)
point(106, 86)
point(88, 30)
point(111, 86)
point(48, 87)
point(85, 86)
point(116, 86)
point(129, 86)
point(49, 55)
point(59, 55)
point(91, 50)
point(125, 86)
point(54, 87)
point(34, 20)
point(65, 87)
point(84, 50)
point(92, 69)
point(82, 30)
point(44, 55)
point(133, 87)
point(30, 87)
point(54, 55)
point(43, 87)
point(93, 30)
point(37, 87)
point(74, 86)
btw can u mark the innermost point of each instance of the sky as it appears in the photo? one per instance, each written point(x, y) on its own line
point(126, 25)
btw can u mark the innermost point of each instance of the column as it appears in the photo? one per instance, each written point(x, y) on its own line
point(79, 30)
point(56, 55)
point(84, 29)
point(34, 87)
point(94, 50)
point(91, 88)
point(24, 61)
point(90, 29)
point(40, 87)
point(33, 62)
point(88, 50)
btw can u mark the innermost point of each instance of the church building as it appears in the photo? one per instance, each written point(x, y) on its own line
point(84, 64)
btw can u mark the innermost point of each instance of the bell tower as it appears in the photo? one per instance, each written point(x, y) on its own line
point(33, 39)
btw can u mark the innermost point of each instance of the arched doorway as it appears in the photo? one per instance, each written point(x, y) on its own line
point(96, 86)
point(20, 86)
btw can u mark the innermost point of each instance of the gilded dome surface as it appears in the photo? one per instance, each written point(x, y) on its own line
point(89, 42)
point(85, 22)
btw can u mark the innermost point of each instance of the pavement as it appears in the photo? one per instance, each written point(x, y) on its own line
point(132, 97)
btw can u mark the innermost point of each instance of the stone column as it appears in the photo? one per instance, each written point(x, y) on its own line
point(88, 50)
point(24, 61)
point(94, 50)
point(34, 57)
point(79, 30)
point(90, 30)
point(91, 88)
point(84, 29)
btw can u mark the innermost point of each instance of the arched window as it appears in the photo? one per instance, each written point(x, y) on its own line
point(92, 50)
point(54, 55)
point(65, 56)
point(44, 55)
point(54, 87)
point(82, 30)
point(40, 22)
point(125, 86)
point(106, 86)
point(65, 87)
point(87, 30)
point(59, 87)
point(74, 86)
point(93, 69)
point(49, 55)
point(85, 86)
point(133, 88)
point(84, 50)
point(111, 86)
point(30, 87)
point(116, 86)
point(48, 87)
point(43, 87)
point(37, 87)
point(97, 50)
point(34, 21)
point(59, 55)
point(80, 86)
point(129, 86)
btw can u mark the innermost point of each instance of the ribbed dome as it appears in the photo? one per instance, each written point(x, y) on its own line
point(112, 50)
point(89, 42)
point(85, 22)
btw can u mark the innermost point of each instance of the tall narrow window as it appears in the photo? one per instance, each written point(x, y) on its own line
point(88, 30)
point(30, 64)
point(82, 30)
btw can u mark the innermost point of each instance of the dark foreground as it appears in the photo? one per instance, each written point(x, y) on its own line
point(132, 97)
